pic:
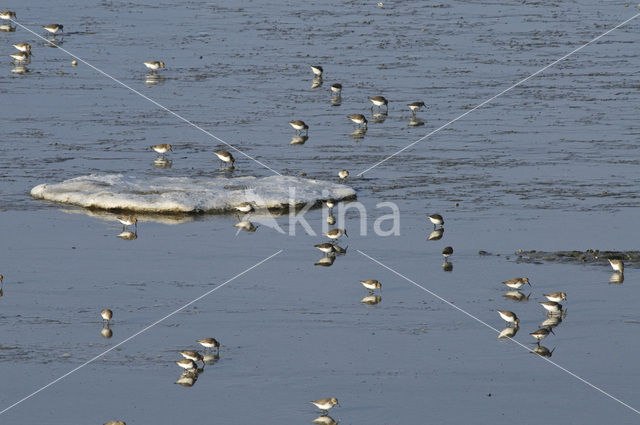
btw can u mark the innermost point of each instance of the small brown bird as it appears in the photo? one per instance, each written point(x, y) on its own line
point(106, 315)
point(436, 219)
point(556, 296)
point(187, 364)
point(416, 106)
point(334, 234)
point(162, 148)
point(23, 47)
point(209, 343)
point(317, 70)
point(299, 125)
point(128, 220)
point(617, 265)
point(336, 88)
point(7, 14)
point(154, 65)
point(541, 333)
point(192, 355)
point(508, 316)
point(517, 282)
point(379, 101)
point(371, 284)
point(447, 251)
point(358, 119)
point(326, 403)
point(53, 28)
point(225, 156)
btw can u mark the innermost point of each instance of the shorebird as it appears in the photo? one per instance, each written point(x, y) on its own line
point(20, 56)
point(556, 296)
point(436, 219)
point(53, 28)
point(154, 65)
point(617, 265)
point(371, 284)
point(299, 125)
point(192, 355)
point(552, 306)
point(187, 364)
point(128, 220)
point(317, 70)
point(162, 148)
point(245, 207)
point(416, 106)
point(23, 47)
point(330, 203)
point(517, 282)
point(209, 343)
point(106, 315)
point(336, 88)
point(379, 101)
point(508, 316)
point(358, 119)
point(7, 14)
point(116, 423)
point(447, 251)
point(343, 174)
point(541, 333)
point(326, 403)
point(334, 234)
point(225, 156)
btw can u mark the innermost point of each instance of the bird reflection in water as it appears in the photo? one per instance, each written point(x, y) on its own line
point(616, 278)
point(379, 117)
point(436, 235)
point(326, 261)
point(324, 420)
point(162, 163)
point(517, 296)
point(7, 28)
point(128, 235)
point(371, 299)
point(415, 122)
point(447, 266)
point(246, 225)
point(299, 139)
point(106, 332)
point(359, 133)
point(543, 351)
point(509, 332)
point(188, 378)
point(154, 79)
point(316, 82)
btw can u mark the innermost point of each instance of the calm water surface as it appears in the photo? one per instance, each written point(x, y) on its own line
point(551, 165)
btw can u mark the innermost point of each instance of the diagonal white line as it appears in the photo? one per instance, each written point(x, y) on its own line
point(138, 333)
point(146, 97)
point(499, 94)
point(497, 331)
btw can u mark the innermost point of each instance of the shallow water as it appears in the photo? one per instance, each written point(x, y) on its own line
point(551, 165)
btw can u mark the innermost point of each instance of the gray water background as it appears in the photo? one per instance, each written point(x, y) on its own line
point(550, 165)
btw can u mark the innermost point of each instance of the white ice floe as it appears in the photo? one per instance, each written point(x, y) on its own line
point(187, 194)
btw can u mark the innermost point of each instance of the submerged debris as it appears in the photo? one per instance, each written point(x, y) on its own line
point(590, 256)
